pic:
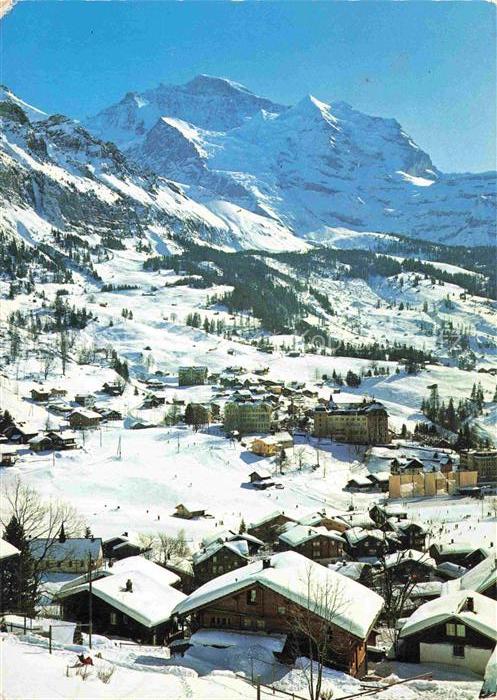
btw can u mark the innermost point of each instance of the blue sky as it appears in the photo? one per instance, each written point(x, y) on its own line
point(430, 65)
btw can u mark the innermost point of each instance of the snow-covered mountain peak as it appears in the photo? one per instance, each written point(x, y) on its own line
point(204, 83)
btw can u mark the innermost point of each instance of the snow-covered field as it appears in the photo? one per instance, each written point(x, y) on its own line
point(147, 673)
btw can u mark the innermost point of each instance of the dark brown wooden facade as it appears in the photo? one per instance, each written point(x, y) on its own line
point(218, 563)
point(269, 530)
point(110, 621)
point(256, 608)
point(438, 634)
point(321, 549)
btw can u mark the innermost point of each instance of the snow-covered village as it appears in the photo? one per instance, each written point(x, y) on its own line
point(248, 352)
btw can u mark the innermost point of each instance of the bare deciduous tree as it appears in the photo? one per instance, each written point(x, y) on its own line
point(172, 547)
point(40, 520)
point(316, 633)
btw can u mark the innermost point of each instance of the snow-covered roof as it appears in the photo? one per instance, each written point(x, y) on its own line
point(426, 588)
point(239, 547)
point(360, 480)
point(261, 473)
point(38, 439)
point(406, 524)
point(481, 577)
point(409, 555)
point(350, 569)
point(72, 548)
point(301, 581)
point(358, 520)
point(267, 518)
point(145, 566)
point(454, 606)
point(229, 535)
point(454, 547)
point(149, 602)
point(298, 534)
point(86, 413)
point(275, 439)
point(7, 549)
point(358, 534)
point(448, 568)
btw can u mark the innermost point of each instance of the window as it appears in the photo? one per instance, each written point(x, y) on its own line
point(458, 650)
point(281, 610)
point(113, 618)
point(455, 630)
point(252, 596)
point(260, 624)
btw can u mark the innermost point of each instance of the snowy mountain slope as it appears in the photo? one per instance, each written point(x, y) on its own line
point(54, 174)
point(309, 166)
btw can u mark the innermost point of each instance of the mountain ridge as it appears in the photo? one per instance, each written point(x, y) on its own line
point(306, 166)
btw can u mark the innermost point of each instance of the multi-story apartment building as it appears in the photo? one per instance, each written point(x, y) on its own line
point(482, 461)
point(248, 416)
point(192, 376)
point(365, 423)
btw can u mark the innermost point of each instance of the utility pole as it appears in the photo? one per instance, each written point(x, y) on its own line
point(90, 601)
point(119, 452)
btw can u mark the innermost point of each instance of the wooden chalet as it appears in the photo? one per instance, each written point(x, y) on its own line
point(267, 528)
point(411, 534)
point(268, 596)
point(8, 457)
point(362, 543)
point(120, 547)
point(40, 394)
point(85, 399)
point(409, 565)
point(316, 543)
point(457, 629)
point(218, 558)
point(20, 433)
point(190, 511)
point(133, 600)
point(40, 443)
point(64, 440)
point(453, 552)
point(321, 519)
point(84, 418)
point(259, 475)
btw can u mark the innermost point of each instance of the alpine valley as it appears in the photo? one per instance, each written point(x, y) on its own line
point(197, 250)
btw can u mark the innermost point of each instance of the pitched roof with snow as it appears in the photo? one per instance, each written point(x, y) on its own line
point(397, 558)
point(480, 578)
point(152, 598)
point(358, 534)
point(454, 606)
point(301, 581)
point(7, 549)
point(239, 547)
point(149, 602)
point(72, 548)
point(298, 534)
point(267, 519)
